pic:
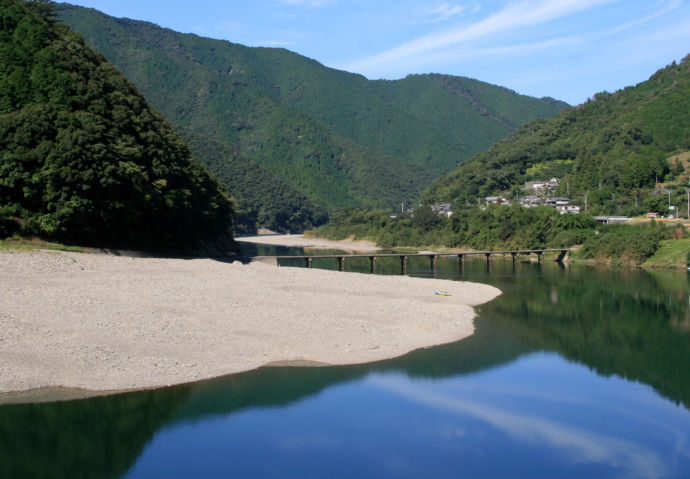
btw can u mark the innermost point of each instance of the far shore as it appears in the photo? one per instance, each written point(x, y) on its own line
point(76, 324)
point(300, 241)
point(672, 254)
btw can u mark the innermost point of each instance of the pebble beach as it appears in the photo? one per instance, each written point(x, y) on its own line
point(104, 323)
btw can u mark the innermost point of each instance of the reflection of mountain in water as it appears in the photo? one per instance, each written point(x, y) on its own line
point(629, 323)
point(98, 438)
point(624, 323)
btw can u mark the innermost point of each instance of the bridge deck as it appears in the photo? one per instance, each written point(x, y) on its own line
point(412, 255)
point(308, 259)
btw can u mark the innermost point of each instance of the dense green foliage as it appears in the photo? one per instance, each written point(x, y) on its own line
point(500, 228)
point(265, 199)
point(627, 242)
point(495, 228)
point(614, 149)
point(336, 138)
point(84, 159)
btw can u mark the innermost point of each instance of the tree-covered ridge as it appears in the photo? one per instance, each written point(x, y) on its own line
point(475, 114)
point(337, 138)
point(614, 147)
point(266, 199)
point(84, 159)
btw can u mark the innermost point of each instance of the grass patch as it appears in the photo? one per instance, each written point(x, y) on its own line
point(671, 254)
point(16, 243)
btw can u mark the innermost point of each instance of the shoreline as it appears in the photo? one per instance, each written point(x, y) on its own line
point(77, 325)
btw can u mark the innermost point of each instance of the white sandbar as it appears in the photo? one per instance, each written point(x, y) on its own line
point(315, 243)
point(104, 323)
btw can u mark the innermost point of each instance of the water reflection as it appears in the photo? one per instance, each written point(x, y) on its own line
point(533, 417)
point(100, 437)
point(560, 374)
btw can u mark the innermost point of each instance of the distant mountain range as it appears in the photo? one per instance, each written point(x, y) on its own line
point(625, 151)
point(293, 139)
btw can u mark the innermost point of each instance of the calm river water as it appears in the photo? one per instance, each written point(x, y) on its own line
point(572, 372)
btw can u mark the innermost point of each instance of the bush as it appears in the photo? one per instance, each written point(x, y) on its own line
point(629, 243)
point(566, 238)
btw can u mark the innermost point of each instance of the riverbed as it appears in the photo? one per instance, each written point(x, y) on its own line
point(572, 372)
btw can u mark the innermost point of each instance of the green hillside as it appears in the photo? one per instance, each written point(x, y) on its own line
point(617, 149)
point(84, 159)
point(335, 139)
point(266, 199)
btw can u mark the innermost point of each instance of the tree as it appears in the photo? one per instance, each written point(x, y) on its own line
point(657, 204)
point(425, 218)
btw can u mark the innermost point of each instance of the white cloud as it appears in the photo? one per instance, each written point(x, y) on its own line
point(444, 11)
point(583, 446)
point(666, 7)
point(679, 32)
point(515, 16)
point(515, 49)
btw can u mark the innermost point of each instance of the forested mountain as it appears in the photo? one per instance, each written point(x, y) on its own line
point(328, 138)
point(84, 159)
point(626, 151)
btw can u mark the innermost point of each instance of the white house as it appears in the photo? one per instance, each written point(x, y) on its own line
point(572, 209)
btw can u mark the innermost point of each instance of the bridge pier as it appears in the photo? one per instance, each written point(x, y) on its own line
point(433, 258)
point(434, 262)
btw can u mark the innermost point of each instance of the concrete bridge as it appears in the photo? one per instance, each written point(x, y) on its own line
point(433, 257)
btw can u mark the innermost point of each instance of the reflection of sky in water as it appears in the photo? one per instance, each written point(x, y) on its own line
point(615, 432)
point(539, 416)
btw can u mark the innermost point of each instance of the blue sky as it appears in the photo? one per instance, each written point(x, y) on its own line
point(566, 49)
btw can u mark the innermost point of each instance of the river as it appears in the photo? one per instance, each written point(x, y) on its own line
point(573, 372)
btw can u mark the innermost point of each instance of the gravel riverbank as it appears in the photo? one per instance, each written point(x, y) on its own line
point(105, 323)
